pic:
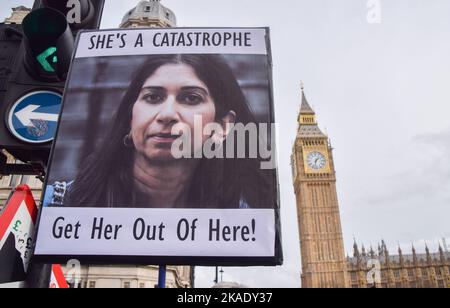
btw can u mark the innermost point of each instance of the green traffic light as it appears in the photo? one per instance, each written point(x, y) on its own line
point(43, 59)
point(49, 44)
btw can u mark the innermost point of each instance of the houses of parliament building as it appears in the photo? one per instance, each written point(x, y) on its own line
point(428, 270)
point(324, 264)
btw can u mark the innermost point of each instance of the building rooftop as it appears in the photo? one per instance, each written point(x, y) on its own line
point(305, 108)
point(383, 254)
point(21, 8)
point(308, 129)
point(151, 10)
point(421, 257)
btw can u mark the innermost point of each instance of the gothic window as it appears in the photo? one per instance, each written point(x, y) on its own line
point(397, 273)
point(148, 8)
point(321, 254)
point(354, 276)
point(127, 285)
point(439, 272)
point(441, 284)
point(424, 272)
point(16, 180)
point(413, 285)
point(398, 285)
point(331, 251)
point(314, 195)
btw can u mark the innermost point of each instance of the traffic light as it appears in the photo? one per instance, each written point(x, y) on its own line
point(31, 104)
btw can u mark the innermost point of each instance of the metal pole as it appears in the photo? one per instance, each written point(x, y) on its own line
point(38, 276)
point(162, 277)
point(217, 275)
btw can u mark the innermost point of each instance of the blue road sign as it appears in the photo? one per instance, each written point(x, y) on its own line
point(34, 117)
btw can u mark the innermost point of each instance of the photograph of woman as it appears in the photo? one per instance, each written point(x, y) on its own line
point(133, 165)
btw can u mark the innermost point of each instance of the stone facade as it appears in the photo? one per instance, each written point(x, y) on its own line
point(382, 270)
point(142, 277)
point(18, 14)
point(321, 241)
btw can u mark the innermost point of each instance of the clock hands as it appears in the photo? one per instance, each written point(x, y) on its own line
point(316, 160)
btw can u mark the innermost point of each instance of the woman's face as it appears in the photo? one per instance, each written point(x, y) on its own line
point(170, 98)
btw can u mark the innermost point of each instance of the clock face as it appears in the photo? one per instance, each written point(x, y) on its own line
point(316, 160)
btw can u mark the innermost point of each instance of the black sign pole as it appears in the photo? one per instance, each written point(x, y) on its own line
point(217, 275)
point(39, 274)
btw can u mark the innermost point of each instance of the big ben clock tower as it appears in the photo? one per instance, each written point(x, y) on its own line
point(321, 241)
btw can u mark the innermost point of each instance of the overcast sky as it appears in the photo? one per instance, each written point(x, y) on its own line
point(380, 91)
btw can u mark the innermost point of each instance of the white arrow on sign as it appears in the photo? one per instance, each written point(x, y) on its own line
point(27, 114)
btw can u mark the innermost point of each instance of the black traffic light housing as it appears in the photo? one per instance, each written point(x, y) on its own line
point(10, 40)
point(42, 62)
point(48, 43)
point(49, 32)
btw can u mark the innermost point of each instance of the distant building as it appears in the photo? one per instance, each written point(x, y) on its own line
point(8, 183)
point(149, 14)
point(18, 14)
point(127, 277)
point(429, 270)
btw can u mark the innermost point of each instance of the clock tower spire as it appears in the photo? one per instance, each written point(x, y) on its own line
point(307, 115)
point(321, 240)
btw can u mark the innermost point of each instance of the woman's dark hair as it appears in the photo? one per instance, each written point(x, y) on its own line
point(106, 180)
